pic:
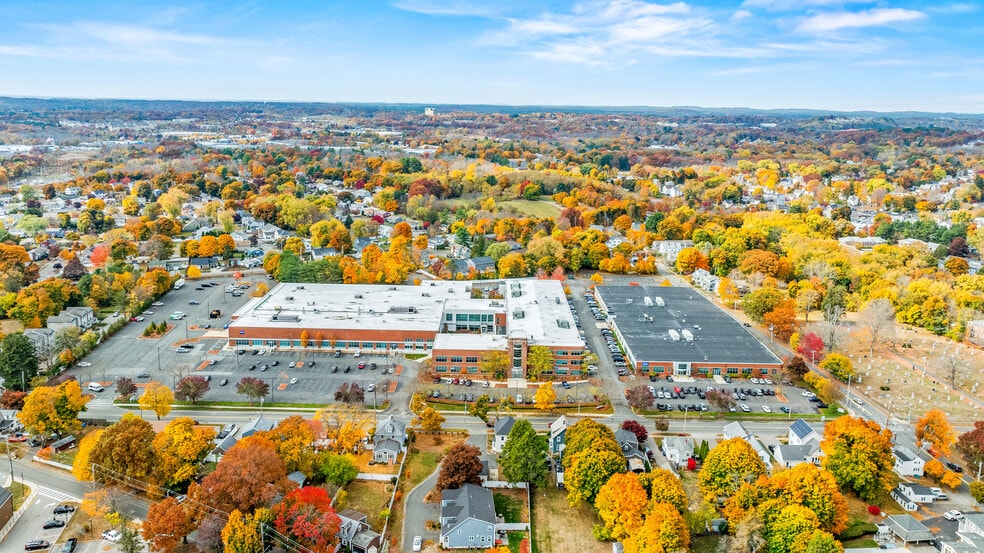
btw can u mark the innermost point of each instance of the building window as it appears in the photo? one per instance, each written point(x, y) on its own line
point(455, 369)
point(353, 345)
point(471, 359)
point(366, 345)
point(456, 359)
point(746, 370)
point(380, 345)
point(732, 370)
point(448, 317)
point(441, 359)
point(461, 318)
point(441, 368)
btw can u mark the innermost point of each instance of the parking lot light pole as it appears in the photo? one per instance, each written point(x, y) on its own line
point(158, 357)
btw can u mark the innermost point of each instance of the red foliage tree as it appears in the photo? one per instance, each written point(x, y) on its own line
point(306, 515)
point(12, 399)
point(99, 255)
point(811, 347)
point(636, 428)
point(247, 477)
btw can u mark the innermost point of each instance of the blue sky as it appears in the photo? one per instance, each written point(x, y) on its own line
point(883, 55)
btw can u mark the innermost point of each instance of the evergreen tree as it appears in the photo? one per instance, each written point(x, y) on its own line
point(18, 361)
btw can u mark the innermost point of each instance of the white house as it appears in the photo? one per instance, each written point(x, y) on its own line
point(788, 456)
point(735, 430)
point(501, 433)
point(78, 317)
point(558, 435)
point(908, 463)
point(800, 433)
point(677, 449)
point(909, 495)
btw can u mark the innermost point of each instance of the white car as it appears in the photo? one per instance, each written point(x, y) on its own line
point(953, 515)
point(158, 304)
point(371, 388)
point(744, 408)
point(417, 542)
point(85, 364)
point(294, 381)
point(112, 535)
point(211, 361)
point(766, 408)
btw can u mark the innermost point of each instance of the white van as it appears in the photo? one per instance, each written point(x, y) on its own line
point(95, 387)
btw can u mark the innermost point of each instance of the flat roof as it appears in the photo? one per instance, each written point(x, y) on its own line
point(649, 330)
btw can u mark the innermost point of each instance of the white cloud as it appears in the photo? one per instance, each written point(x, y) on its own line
point(786, 5)
point(957, 7)
point(456, 8)
point(740, 14)
point(870, 18)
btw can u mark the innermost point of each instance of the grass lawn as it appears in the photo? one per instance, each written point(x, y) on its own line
point(705, 544)
point(369, 498)
point(510, 505)
point(560, 528)
point(515, 538)
point(67, 457)
point(20, 493)
point(859, 543)
point(533, 208)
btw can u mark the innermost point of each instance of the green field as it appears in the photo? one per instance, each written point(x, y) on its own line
point(539, 209)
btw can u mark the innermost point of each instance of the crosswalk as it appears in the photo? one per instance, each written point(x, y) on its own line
point(56, 495)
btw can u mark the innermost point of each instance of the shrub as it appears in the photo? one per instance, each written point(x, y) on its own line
point(874, 510)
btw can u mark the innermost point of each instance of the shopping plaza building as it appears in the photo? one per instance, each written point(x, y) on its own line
point(454, 321)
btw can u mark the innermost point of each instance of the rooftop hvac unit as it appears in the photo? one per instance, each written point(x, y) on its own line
point(659, 301)
point(647, 301)
point(358, 296)
point(628, 300)
point(687, 335)
point(289, 298)
point(674, 335)
point(557, 301)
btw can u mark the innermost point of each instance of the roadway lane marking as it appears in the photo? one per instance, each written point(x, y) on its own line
point(56, 495)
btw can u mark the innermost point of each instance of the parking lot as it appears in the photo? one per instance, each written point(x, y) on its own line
point(749, 396)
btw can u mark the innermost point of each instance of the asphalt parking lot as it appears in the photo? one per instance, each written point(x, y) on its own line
point(794, 400)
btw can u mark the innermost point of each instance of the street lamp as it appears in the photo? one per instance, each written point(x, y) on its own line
point(771, 328)
point(158, 357)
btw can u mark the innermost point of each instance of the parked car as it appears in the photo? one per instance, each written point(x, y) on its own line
point(371, 388)
point(70, 545)
point(953, 515)
point(63, 509)
point(112, 535)
point(136, 319)
point(293, 381)
point(53, 523)
point(223, 382)
point(953, 466)
point(36, 545)
point(417, 542)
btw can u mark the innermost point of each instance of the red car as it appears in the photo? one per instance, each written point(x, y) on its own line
point(19, 437)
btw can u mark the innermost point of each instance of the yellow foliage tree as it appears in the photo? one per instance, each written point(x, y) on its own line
point(933, 468)
point(179, 449)
point(157, 398)
point(97, 504)
point(664, 530)
point(951, 480)
point(49, 409)
point(597, 278)
point(545, 397)
point(194, 271)
point(431, 420)
point(345, 425)
point(260, 291)
point(933, 428)
point(81, 468)
point(242, 533)
point(622, 504)
point(730, 464)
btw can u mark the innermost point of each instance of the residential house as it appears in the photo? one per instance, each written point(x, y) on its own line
point(909, 495)
point(481, 265)
point(42, 338)
point(203, 262)
point(272, 233)
point(908, 529)
point(393, 429)
point(222, 445)
point(800, 433)
point(735, 430)
point(500, 433)
point(678, 449)
point(81, 318)
point(388, 440)
point(760, 449)
point(459, 251)
point(355, 533)
point(703, 279)
point(970, 535)
point(558, 435)
point(615, 241)
point(467, 518)
point(257, 425)
point(908, 463)
point(635, 458)
point(669, 249)
point(298, 478)
point(791, 455)
point(195, 224)
point(386, 451)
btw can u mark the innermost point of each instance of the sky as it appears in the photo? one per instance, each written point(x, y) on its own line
point(883, 55)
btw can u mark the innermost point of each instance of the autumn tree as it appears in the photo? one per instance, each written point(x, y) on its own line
point(179, 450)
point(838, 365)
point(524, 456)
point(689, 260)
point(125, 386)
point(125, 449)
point(74, 269)
point(346, 425)
point(636, 428)
point(306, 516)
point(811, 346)
point(539, 360)
point(877, 320)
point(166, 526)
point(759, 302)
point(249, 475)
point(495, 363)
point(587, 434)
point(12, 399)
point(50, 409)
point(970, 444)
point(430, 420)
point(730, 464)
point(335, 468)
point(242, 532)
point(934, 429)
point(720, 399)
point(858, 452)
point(191, 388)
point(157, 398)
point(252, 387)
point(81, 466)
point(640, 397)
point(589, 470)
point(782, 320)
point(462, 465)
point(788, 525)
point(292, 438)
point(18, 361)
point(546, 396)
point(663, 530)
point(662, 486)
point(622, 504)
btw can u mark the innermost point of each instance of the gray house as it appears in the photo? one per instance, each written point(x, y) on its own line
point(385, 450)
point(635, 459)
point(467, 518)
point(392, 429)
point(355, 533)
point(501, 433)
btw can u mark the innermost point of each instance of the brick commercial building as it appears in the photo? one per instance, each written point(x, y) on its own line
point(455, 321)
point(676, 331)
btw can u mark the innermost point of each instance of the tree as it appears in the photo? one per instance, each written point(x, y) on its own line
point(481, 407)
point(730, 464)
point(125, 386)
point(721, 400)
point(838, 365)
point(431, 420)
point(179, 450)
point(589, 470)
point(787, 526)
point(636, 428)
point(241, 533)
point(167, 525)
point(640, 397)
point(54, 409)
point(622, 504)
point(977, 490)
point(782, 320)
point(129, 541)
point(462, 465)
point(689, 260)
point(191, 388)
point(878, 320)
point(346, 425)
point(209, 535)
point(858, 453)
point(495, 363)
point(157, 398)
point(970, 444)
point(664, 530)
point(125, 449)
point(335, 468)
point(81, 467)
point(934, 429)
point(951, 480)
point(292, 438)
point(588, 434)
point(250, 475)
point(822, 542)
point(749, 536)
point(759, 302)
point(350, 393)
point(811, 346)
point(662, 486)
point(306, 515)
point(194, 272)
point(74, 269)
point(539, 360)
point(18, 361)
point(12, 399)
point(253, 388)
point(545, 397)
point(524, 456)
